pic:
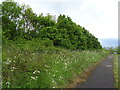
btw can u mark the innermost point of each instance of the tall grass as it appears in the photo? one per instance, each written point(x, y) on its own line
point(0, 67)
point(49, 68)
point(117, 82)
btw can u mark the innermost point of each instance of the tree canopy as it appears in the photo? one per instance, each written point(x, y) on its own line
point(19, 21)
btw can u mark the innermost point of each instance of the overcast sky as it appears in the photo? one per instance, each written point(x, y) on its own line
point(99, 17)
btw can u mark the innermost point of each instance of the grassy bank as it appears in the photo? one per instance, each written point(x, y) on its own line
point(116, 70)
point(50, 68)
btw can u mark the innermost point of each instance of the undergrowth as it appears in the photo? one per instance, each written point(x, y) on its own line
point(24, 66)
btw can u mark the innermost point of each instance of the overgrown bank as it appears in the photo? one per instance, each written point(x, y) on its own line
point(54, 67)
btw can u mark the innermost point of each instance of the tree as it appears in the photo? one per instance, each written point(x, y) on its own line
point(10, 17)
point(19, 21)
point(117, 49)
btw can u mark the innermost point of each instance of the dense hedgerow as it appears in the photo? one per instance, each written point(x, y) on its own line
point(19, 21)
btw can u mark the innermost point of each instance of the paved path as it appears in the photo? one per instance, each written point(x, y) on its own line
point(101, 76)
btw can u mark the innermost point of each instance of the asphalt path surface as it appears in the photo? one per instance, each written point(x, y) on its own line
point(101, 76)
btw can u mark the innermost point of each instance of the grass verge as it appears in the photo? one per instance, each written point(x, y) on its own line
point(115, 69)
point(49, 68)
point(83, 77)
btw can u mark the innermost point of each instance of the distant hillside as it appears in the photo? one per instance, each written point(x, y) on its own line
point(110, 42)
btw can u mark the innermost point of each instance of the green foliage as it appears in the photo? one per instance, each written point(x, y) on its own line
point(39, 45)
point(114, 50)
point(116, 71)
point(10, 14)
point(19, 21)
point(118, 50)
point(38, 51)
point(33, 69)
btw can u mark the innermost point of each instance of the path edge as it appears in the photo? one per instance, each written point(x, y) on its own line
point(82, 78)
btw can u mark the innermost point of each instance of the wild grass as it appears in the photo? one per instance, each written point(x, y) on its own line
point(48, 68)
point(0, 56)
point(117, 82)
